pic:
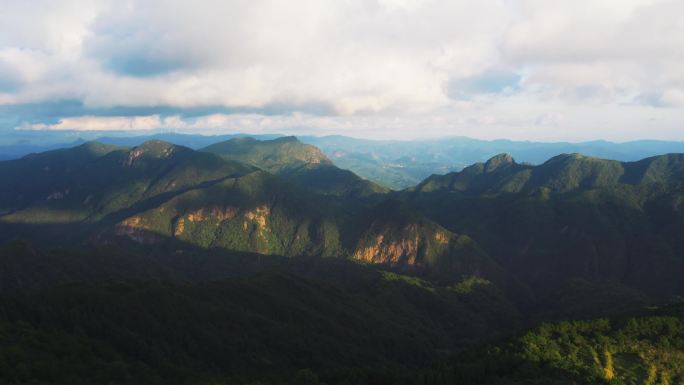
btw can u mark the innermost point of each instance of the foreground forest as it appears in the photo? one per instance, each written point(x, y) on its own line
point(369, 327)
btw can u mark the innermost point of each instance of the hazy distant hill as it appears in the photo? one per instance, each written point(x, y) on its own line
point(401, 164)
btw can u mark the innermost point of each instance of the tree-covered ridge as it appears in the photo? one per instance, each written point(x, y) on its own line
point(562, 173)
point(91, 181)
point(274, 155)
point(395, 164)
point(259, 213)
point(571, 217)
point(254, 212)
point(300, 163)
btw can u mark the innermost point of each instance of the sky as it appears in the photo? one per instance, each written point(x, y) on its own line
point(562, 70)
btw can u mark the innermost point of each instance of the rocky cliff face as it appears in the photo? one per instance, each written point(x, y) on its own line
point(402, 251)
point(400, 238)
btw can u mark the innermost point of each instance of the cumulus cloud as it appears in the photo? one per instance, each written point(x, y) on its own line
point(450, 67)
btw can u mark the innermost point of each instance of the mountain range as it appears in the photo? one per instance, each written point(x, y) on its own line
point(394, 164)
point(266, 261)
point(158, 193)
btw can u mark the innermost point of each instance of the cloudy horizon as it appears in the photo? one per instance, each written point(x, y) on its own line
point(396, 69)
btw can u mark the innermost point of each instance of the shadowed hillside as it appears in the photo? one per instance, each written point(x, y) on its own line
point(572, 216)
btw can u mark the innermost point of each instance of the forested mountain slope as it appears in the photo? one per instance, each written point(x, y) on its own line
point(300, 163)
point(158, 193)
point(572, 216)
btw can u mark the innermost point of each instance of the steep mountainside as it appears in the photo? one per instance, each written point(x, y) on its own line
point(259, 213)
point(159, 194)
point(572, 216)
point(92, 180)
point(254, 212)
point(91, 184)
point(29, 177)
point(398, 236)
point(301, 163)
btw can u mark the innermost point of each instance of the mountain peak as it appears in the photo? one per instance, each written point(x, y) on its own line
point(498, 161)
point(287, 139)
point(271, 155)
point(301, 163)
point(565, 157)
point(243, 139)
point(151, 149)
point(96, 148)
point(157, 148)
point(155, 145)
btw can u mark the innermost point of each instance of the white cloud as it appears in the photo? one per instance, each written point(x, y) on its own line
point(95, 123)
point(369, 61)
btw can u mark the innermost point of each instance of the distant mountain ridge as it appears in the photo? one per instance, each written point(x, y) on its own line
point(562, 173)
point(391, 163)
point(401, 164)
